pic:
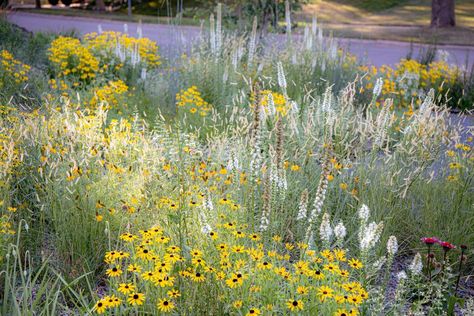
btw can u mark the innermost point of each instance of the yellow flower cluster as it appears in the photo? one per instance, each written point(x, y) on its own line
point(246, 272)
point(191, 100)
point(110, 94)
point(461, 159)
point(12, 70)
point(279, 102)
point(399, 84)
point(106, 43)
point(72, 60)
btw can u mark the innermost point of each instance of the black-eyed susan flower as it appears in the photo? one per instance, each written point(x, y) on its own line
point(237, 304)
point(114, 272)
point(354, 299)
point(324, 292)
point(128, 237)
point(100, 306)
point(173, 293)
point(126, 288)
point(165, 305)
point(136, 299)
point(294, 305)
point(197, 277)
point(302, 290)
point(355, 263)
point(134, 268)
point(341, 312)
point(253, 311)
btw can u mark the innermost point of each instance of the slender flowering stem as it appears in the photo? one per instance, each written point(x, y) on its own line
point(463, 248)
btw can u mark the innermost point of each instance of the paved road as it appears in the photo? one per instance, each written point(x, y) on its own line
point(173, 39)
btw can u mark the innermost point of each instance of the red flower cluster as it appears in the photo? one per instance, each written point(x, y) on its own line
point(433, 240)
point(430, 240)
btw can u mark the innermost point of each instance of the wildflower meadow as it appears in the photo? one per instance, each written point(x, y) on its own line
point(232, 178)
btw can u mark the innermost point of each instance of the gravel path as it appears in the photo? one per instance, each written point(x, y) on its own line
point(174, 38)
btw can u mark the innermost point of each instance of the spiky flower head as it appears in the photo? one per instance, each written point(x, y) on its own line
point(416, 265)
point(402, 275)
point(392, 245)
point(364, 213)
point(340, 231)
point(325, 230)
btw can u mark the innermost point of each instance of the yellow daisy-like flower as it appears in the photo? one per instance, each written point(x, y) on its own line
point(303, 290)
point(253, 312)
point(134, 268)
point(165, 305)
point(114, 272)
point(295, 305)
point(355, 263)
point(100, 307)
point(234, 281)
point(354, 299)
point(213, 235)
point(237, 304)
point(197, 277)
point(174, 293)
point(324, 292)
point(340, 254)
point(126, 288)
point(264, 265)
point(341, 312)
point(136, 299)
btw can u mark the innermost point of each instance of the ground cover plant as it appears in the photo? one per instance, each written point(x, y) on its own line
point(231, 180)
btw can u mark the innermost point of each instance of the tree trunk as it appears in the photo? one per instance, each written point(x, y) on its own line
point(38, 4)
point(100, 5)
point(442, 13)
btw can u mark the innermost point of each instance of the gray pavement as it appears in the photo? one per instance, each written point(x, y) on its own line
point(173, 39)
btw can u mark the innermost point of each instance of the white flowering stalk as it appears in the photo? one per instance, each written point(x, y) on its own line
point(125, 28)
point(265, 217)
point(303, 206)
point(99, 29)
point(281, 77)
point(143, 74)
point(392, 246)
point(325, 230)
point(340, 233)
point(377, 89)
point(378, 264)
point(256, 159)
point(225, 76)
point(319, 199)
point(370, 236)
point(139, 30)
point(208, 205)
point(252, 43)
point(135, 56)
point(399, 301)
point(271, 105)
point(288, 19)
point(364, 213)
point(416, 265)
point(314, 26)
point(219, 28)
point(205, 227)
point(212, 34)
point(382, 124)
